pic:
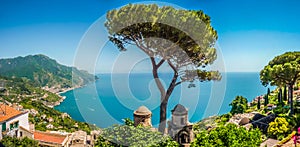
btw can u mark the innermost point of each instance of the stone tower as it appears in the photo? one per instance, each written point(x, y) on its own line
point(142, 116)
point(179, 127)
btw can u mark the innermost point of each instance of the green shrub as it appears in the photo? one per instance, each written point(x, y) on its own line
point(281, 110)
point(228, 136)
point(279, 128)
point(15, 142)
point(124, 135)
point(128, 122)
point(239, 105)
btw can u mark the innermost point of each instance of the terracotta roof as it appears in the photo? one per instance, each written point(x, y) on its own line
point(49, 137)
point(7, 112)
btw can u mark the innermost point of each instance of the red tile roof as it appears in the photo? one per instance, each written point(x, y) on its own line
point(49, 137)
point(7, 112)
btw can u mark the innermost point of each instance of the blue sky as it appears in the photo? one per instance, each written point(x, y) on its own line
point(250, 32)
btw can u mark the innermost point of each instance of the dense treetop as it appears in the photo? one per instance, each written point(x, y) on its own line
point(283, 69)
point(183, 37)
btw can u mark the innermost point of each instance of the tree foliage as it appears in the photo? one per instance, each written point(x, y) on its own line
point(239, 105)
point(279, 128)
point(282, 70)
point(15, 142)
point(124, 135)
point(183, 39)
point(229, 135)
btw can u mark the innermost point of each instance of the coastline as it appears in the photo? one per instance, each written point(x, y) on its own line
point(236, 87)
point(58, 92)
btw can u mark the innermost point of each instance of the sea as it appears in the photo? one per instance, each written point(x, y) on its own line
point(114, 97)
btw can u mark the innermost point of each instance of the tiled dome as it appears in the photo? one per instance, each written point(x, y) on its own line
point(179, 110)
point(143, 110)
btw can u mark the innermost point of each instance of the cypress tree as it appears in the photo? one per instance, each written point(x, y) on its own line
point(258, 103)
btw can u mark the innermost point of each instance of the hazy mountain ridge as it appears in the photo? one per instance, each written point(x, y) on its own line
point(44, 71)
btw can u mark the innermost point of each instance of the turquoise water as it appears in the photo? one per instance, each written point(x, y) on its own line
point(114, 97)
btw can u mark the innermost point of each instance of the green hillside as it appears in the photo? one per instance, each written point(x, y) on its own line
point(23, 92)
point(43, 71)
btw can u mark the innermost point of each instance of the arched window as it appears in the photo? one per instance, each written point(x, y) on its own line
point(183, 137)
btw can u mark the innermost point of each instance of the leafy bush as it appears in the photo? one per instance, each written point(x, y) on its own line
point(239, 105)
point(15, 142)
point(228, 136)
point(223, 119)
point(279, 128)
point(124, 135)
point(281, 110)
point(128, 122)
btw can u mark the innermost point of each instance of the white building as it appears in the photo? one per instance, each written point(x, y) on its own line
point(11, 120)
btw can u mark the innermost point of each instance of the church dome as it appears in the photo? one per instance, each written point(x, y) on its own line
point(143, 110)
point(179, 110)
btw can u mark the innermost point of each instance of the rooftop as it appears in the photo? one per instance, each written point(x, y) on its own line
point(49, 137)
point(179, 109)
point(7, 112)
point(79, 135)
point(143, 110)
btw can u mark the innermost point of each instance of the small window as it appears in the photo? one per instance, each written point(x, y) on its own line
point(16, 124)
point(21, 133)
point(3, 126)
point(11, 126)
point(182, 121)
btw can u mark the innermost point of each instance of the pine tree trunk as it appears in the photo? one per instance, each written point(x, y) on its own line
point(164, 95)
point(163, 117)
point(280, 96)
point(164, 104)
point(291, 98)
point(284, 94)
point(163, 114)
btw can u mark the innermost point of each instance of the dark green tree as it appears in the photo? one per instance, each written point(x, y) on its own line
point(266, 99)
point(284, 94)
point(182, 39)
point(280, 96)
point(283, 69)
point(239, 105)
point(258, 103)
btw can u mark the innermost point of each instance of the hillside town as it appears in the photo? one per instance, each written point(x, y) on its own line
point(14, 123)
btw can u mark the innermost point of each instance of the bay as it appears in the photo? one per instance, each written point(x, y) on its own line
point(115, 96)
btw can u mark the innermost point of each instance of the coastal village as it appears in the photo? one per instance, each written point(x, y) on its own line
point(14, 123)
point(170, 46)
point(14, 120)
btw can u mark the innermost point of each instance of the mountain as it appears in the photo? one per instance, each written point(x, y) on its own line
point(44, 71)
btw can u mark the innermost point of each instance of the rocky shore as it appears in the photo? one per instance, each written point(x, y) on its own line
point(58, 91)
